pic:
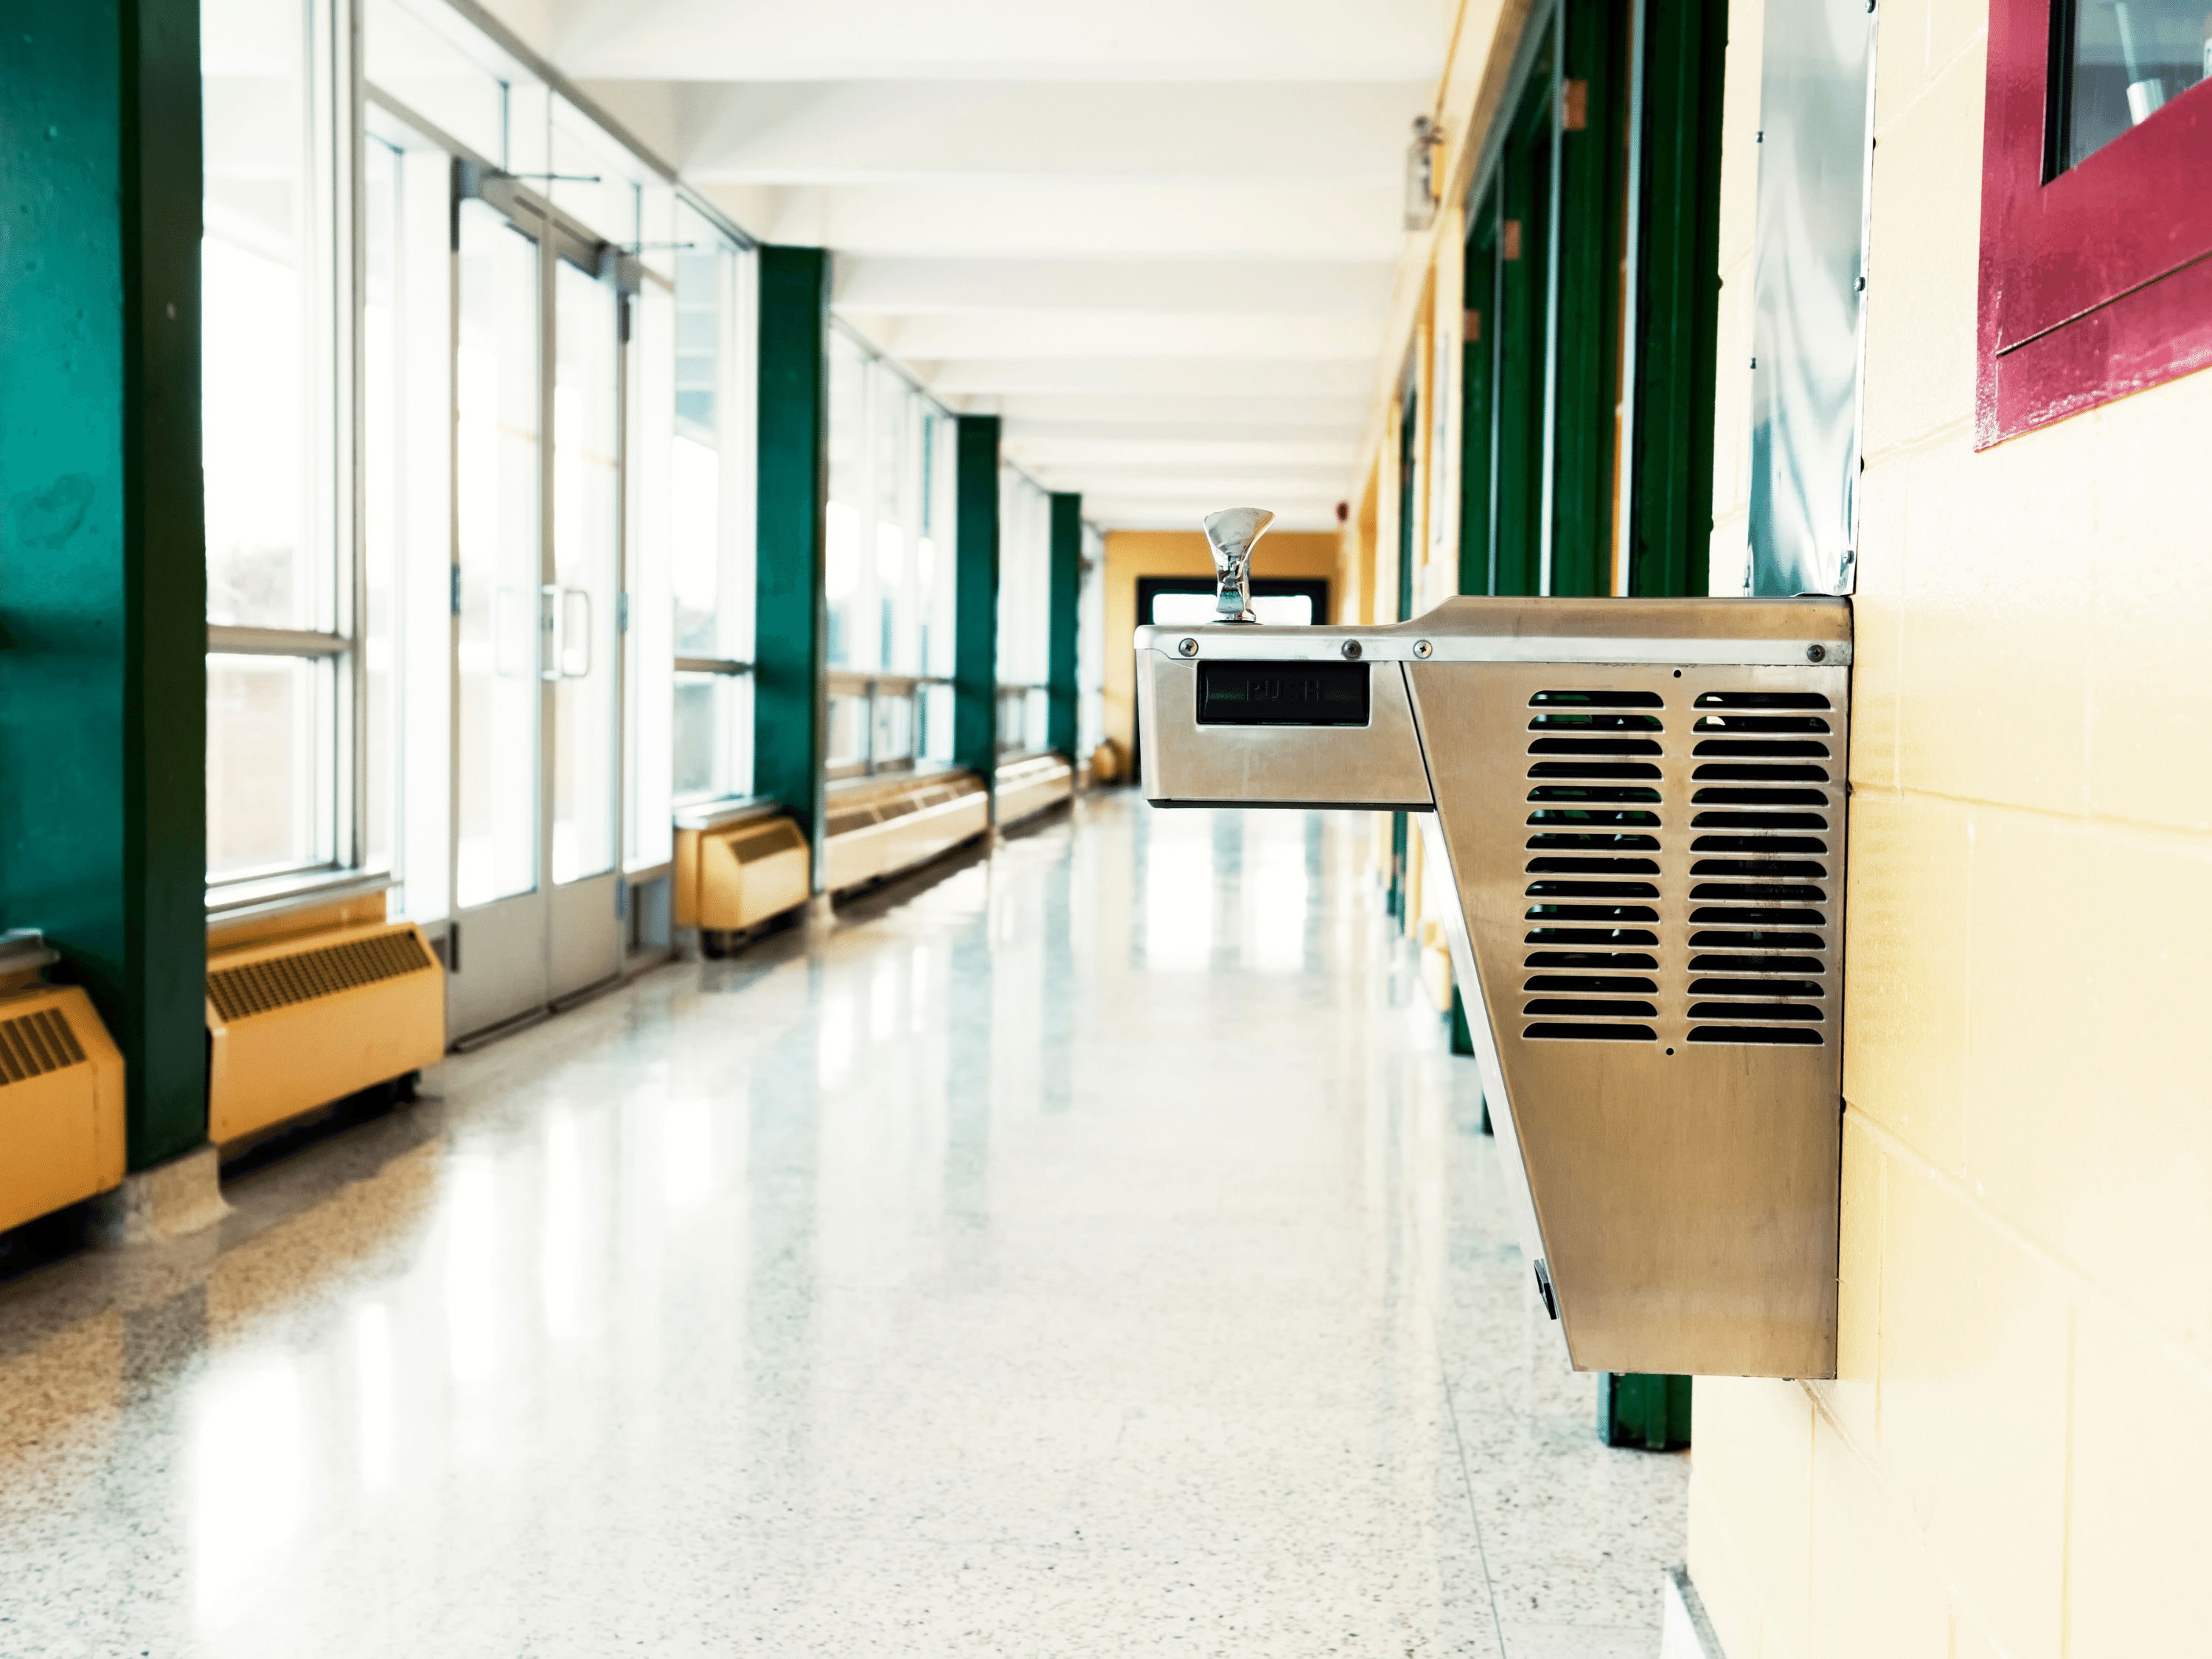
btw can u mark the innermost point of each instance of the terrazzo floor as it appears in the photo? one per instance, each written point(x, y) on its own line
point(1091, 1249)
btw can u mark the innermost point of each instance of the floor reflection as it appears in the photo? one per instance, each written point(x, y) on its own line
point(1083, 1250)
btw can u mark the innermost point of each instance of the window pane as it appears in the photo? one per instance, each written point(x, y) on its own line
point(1025, 580)
point(852, 643)
point(934, 575)
point(937, 723)
point(894, 729)
point(266, 391)
point(708, 710)
point(420, 61)
point(270, 805)
point(848, 730)
point(696, 483)
point(586, 504)
point(2130, 58)
point(496, 487)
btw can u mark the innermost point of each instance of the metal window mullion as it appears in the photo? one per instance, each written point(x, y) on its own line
point(223, 641)
point(549, 554)
point(625, 803)
point(351, 686)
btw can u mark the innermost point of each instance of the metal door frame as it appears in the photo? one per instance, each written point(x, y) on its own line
point(554, 237)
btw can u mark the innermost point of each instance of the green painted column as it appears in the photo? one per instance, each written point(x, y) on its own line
point(791, 618)
point(1062, 723)
point(103, 569)
point(976, 602)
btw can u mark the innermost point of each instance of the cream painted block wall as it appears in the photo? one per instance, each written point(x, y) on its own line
point(2011, 1462)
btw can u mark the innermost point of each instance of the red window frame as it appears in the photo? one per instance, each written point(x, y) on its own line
point(2098, 282)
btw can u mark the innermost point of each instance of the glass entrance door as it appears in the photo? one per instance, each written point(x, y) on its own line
point(537, 526)
point(581, 594)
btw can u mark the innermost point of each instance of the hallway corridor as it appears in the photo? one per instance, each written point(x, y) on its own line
point(1091, 1249)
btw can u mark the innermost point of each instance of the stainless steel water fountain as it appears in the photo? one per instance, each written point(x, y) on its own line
point(1641, 808)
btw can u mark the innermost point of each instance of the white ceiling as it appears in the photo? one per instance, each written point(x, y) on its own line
point(1157, 237)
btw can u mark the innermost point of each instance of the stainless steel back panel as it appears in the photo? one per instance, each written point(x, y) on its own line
point(1641, 805)
point(1187, 764)
point(1662, 996)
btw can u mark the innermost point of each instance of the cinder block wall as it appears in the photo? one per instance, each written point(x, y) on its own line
point(2014, 1461)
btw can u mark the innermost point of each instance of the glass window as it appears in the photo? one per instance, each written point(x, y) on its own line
point(1025, 610)
point(270, 723)
point(587, 549)
point(889, 568)
point(2125, 59)
point(382, 633)
point(406, 451)
point(280, 764)
point(268, 260)
point(431, 61)
point(495, 487)
point(1090, 646)
point(710, 514)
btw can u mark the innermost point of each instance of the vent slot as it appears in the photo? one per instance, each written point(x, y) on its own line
point(1589, 839)
point(1765, 841)
point(33, 1044)
point(262, 987)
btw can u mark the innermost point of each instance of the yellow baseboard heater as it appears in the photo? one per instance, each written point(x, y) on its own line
point(738, 865)
point(881, 825)
point(1030, 785)
point(311, 1000)
point(61, 1090)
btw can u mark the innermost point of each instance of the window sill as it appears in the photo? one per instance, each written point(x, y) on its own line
point(722, 810)
point(233, 903)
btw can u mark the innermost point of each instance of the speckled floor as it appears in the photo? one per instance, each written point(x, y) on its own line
point(1091, 1251)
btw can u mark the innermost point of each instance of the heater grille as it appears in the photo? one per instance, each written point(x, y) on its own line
point(1591, 946)
point(1763, 880)
point(261, 988)
point(33, 1044)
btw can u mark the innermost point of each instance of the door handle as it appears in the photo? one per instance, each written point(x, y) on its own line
point(566, 632)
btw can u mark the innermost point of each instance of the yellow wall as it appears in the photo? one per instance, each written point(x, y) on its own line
point(1131, 554)
point(2014, 1461)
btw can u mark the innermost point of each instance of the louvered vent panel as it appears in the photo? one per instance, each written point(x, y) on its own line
point(778, 837)
point(33, 1044)
point(1762, 881)
point(1591, 948)
point(261, 988)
